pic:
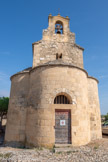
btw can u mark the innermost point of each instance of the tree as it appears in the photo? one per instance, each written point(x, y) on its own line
point(4, 101)
point(106, 117)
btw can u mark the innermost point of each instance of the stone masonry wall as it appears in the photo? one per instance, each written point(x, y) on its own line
point(31, 114)
point(45, 51)
point(50, 34)
point(53, 43)
point(94, 108)
point(16, 120)
point(45, 84)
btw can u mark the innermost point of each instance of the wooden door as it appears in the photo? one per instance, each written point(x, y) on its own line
point(62, 126)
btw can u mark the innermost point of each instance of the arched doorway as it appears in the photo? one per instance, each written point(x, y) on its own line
point(62, 120)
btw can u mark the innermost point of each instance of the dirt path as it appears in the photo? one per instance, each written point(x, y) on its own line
point(96, 151)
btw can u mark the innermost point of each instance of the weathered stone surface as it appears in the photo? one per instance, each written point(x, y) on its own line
point(31, 115)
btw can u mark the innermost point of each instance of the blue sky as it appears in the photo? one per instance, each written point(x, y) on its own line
point(22, 22)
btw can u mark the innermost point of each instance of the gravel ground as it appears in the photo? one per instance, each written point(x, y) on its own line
point(96, 151)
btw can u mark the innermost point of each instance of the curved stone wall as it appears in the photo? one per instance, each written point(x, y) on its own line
point(45, 84)
point(94, 108)
point(57, 69)
point(31, 115)
point(16, 120)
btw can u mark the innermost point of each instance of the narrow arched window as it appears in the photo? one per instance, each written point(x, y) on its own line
point(58, 56)
point(59, 27)
point(61, 99)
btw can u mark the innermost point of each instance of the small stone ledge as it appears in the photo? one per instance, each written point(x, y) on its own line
point(27, 70)
point(93, 78)
point(40, 41)
point(79, 47)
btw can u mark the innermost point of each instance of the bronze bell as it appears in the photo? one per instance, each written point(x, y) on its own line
point(58, 28)
point(58, 32)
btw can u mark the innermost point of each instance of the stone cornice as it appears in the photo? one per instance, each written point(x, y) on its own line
point(51, 64)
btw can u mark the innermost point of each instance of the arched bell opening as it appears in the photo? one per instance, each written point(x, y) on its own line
point(59, 27)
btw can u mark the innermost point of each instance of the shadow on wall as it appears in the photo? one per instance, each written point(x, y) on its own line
point(2, 131)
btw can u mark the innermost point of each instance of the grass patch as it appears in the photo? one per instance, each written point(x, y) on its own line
point(1, 155)
point(38, 148)
point(96, 147)
point(69, 152)
point(21, 147)
point(7, 155)
point(53, 150)
point(59, 152)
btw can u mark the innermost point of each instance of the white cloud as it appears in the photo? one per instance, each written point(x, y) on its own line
point(103, 76)
point(3, 76)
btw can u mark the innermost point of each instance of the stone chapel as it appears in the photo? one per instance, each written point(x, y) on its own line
point(55, 101)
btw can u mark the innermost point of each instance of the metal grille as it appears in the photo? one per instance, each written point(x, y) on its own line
point(61, 99)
